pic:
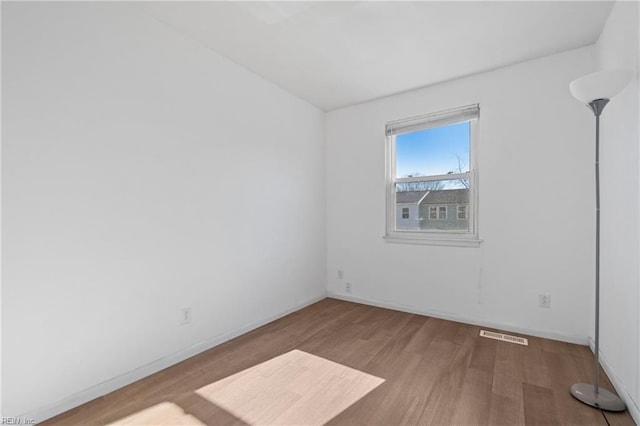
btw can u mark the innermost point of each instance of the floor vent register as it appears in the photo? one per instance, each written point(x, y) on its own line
point(504, 337)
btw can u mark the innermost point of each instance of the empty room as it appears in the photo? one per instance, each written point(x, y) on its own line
point(309, 213)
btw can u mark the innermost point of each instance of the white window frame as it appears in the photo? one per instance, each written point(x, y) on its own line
point(469, 238)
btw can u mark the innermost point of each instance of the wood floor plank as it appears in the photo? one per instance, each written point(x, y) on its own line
point(436, 372)
point(510, 361)
point(507, 385)
point(506, 411)
point(619, 418)
point(539, 406)
point(483, 356)
point(565, 372)
point(535, 368)
point(390, 403)
point(473, 402)
point(440, 406)
point(424, 336)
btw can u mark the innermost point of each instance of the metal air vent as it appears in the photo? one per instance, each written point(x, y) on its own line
point(504, 337)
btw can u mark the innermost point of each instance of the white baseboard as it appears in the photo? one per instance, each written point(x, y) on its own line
point(621, 389)
point(580, 340)
point(125, 379)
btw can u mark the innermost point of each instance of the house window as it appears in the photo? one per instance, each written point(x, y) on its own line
point(405, 212)
point(430, 162)
point(438, 212)
point(462, 212)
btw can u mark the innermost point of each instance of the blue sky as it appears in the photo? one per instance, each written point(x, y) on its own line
point(433, 151)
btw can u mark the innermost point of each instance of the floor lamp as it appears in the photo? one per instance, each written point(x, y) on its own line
point(595, 90)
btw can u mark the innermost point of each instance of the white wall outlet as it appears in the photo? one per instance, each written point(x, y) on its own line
point(347, 287)
point(185, 316)
point(340, 274)
point(544, 301)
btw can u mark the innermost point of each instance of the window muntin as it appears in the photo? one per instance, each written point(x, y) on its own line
point(430, 159)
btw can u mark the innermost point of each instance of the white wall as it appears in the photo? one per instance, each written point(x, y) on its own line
point(535, 212)
point(124, 146)
point(620, 165)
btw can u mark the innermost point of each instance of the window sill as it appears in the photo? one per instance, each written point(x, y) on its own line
point(434, 240)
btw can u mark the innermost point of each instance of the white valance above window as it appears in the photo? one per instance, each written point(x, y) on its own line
point(438, 119)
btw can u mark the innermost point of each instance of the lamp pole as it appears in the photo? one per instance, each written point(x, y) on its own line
point(597, 107)
point(595, 90)
point(596, 396)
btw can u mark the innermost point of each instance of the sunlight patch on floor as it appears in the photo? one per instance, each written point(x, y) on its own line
point(165, 413)
point(293, 388)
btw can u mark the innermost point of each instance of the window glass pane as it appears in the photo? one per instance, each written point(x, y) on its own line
point(436, 151)
point(462, 212)
point(442, 214)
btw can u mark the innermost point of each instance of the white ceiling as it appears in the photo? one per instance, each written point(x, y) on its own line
point(335, 54)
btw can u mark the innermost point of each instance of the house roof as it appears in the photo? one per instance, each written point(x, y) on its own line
point(409, 197)
point(446, 196)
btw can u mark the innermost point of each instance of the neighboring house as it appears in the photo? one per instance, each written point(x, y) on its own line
point(443, 209)
point(407, 209)
point(446, 209)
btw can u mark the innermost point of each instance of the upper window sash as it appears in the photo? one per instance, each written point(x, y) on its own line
point(429, 121)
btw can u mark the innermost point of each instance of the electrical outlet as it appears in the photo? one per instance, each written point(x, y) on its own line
point(347, 287)
point(340, 274)
point(185, 316)
point(544, 301)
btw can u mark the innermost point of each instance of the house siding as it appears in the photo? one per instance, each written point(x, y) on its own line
point(451, 223)
point(413, 222)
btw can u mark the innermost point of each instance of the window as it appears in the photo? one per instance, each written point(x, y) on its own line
point(430, 162)
point(462, 212)
point(405, 212)
point(438, 212)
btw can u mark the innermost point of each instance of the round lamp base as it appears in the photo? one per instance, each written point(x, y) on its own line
point(604, 399)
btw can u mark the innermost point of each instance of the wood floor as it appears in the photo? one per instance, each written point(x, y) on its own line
point(436, 372)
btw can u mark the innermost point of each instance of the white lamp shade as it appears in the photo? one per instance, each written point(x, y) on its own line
point(600, 85)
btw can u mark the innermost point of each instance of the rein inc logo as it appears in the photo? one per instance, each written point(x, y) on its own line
point(17, 421)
